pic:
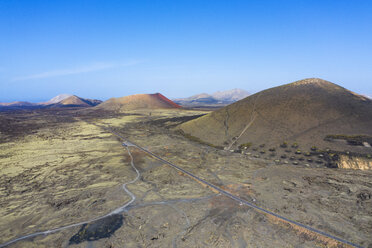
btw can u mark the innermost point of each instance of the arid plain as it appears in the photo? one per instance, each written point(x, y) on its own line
point(59, 168)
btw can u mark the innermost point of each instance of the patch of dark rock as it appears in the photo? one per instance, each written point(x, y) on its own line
point(174, 121)
point(364, 196)
point(353, 140)
point(99, 229)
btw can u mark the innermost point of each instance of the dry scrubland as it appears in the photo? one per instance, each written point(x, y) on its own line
point(68, 169)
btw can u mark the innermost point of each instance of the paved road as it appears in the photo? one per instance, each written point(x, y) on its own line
point(126, 144)
point(234, 197)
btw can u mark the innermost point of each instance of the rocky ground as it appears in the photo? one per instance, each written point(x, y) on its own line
point(60, 169)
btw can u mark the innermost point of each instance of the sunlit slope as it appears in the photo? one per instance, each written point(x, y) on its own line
point(139, 101)
point(304, 111)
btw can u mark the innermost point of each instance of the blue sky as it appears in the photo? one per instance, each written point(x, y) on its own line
point(103, 49)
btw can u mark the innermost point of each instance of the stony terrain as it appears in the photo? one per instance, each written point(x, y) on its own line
point(64, 167)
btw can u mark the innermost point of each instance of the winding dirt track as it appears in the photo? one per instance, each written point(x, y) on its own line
point(127, 144)
point(116, 211)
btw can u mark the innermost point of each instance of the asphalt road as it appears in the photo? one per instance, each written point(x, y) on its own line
point(126, 144)
point(234, 197)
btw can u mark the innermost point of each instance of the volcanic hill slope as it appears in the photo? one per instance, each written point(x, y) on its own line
point(305, 112)
point(139, 101)
point(16, 104)
point(60, 101)
point(56, 99)
point(75, 101)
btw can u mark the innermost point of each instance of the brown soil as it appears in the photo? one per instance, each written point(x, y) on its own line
point(140, 101)
point(305, 112)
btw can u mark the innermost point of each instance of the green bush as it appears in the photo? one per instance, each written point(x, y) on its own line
point(295, 145)
point(284, 145)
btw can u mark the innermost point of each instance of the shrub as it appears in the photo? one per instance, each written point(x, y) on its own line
point(284, 145)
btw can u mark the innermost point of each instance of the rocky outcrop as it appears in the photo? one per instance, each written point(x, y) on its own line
point(356, 163)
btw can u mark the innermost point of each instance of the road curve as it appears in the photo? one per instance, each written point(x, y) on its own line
point(116, 211)
point(234, 197)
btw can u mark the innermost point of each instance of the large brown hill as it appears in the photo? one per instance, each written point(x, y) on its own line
point(139, 101)
point(304, 111)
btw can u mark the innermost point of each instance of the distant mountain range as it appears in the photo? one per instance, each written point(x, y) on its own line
point(60, 101)
point(219, 98)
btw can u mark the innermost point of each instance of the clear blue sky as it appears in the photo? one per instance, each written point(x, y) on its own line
point(103, 49)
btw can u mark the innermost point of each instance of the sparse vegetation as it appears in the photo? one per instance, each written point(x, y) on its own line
point(284, 145)
point(295, 145)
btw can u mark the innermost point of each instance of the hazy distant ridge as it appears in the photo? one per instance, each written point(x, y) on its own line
point(62, 100)
point(217, 98)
